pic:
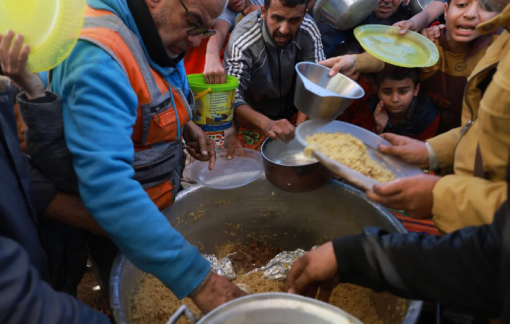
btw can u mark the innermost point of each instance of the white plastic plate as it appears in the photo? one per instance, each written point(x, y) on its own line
point(228, 174)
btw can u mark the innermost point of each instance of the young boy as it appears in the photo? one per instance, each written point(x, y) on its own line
point(400, 108)
point(460, 48)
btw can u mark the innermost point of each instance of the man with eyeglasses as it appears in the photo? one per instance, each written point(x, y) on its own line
point(262, 52)
point(126, 105)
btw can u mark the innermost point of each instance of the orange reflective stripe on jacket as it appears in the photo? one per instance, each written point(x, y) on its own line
point(161, 112)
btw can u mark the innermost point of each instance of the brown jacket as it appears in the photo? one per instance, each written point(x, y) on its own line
point(445, 81)
point(463, 199)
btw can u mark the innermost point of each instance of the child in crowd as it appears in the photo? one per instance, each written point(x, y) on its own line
point(400, 108)
point(387, 12)
point(460, 48)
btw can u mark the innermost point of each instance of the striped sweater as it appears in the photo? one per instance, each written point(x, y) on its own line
point(266, 72)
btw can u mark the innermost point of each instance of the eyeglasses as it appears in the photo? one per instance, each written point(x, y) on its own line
point(198, 29)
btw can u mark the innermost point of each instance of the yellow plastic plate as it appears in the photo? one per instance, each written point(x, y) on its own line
point(50, 27)
point(409, 50)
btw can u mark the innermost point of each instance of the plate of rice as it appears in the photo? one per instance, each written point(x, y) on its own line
point(351, 152)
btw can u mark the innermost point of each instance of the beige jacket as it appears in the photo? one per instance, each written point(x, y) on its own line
point(461, 199)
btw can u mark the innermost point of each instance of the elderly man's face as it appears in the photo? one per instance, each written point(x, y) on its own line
point(494, 5)
point(173, 22)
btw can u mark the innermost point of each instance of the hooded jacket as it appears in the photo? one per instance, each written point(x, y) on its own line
point(469, 198)
point(266, 72)
point(99, 109)
point(464, 198)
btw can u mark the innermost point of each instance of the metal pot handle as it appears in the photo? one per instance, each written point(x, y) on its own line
point(183, 310)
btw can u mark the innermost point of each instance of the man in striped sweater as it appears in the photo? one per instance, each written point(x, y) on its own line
point(262, 52)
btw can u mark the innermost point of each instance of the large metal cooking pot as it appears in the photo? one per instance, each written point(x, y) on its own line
point(417, 6)
point(287, 167)
point(343, 14)
point(287, 220)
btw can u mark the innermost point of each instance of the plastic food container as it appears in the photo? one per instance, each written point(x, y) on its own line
point(214, 103)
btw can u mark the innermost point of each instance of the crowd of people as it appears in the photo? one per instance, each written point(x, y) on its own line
point(93, 150)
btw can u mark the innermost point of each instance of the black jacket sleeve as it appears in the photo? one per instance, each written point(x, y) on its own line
point(25, 298)
point(460, 269)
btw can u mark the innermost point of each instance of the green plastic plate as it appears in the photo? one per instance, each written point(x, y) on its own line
point(411, 50)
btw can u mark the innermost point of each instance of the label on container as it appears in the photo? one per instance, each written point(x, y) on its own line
point(214, 112)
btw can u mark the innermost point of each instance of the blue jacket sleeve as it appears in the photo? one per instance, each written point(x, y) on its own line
point(99, 110)
point(460, 269)
point(25, 298)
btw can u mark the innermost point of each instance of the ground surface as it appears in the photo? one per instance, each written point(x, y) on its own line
point(97, 299)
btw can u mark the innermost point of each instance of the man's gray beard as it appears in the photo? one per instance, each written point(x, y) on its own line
point(494, 5)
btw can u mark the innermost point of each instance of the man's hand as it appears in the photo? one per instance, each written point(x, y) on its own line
point(412, 194)
point(233, 146)
point(279, 130)
point(318, 266)
point(406, 25)
point(408, 149)
point(13, 60)
point(341, 64)
point(216, 291)
point(199, 145)
point(214, 72)
point(433, 32)
point(381, 117)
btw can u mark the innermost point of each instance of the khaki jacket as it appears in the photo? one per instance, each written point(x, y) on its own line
point(462, 199)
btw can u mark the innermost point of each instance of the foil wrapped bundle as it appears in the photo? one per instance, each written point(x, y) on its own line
point(276, 269)
point(279, 267)
point(222, 267)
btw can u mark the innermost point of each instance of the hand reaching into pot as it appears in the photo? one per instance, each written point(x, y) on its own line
point(317, 267)
point(215, 291)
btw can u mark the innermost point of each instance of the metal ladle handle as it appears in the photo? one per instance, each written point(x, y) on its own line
point(183, 310)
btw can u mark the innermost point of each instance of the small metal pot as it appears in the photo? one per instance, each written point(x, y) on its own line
point(288, 169)
point(417, 6)
point(343, 14)
point(320, 96)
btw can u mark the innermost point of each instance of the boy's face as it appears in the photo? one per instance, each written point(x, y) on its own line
point(397, 95)
point(462, 17)
point(236, 5)
point(386, 8)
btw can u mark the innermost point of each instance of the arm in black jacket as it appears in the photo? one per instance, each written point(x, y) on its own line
point(462, 268)
point(25, 298)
